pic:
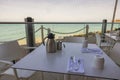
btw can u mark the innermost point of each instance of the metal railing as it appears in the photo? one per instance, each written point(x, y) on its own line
point(56, 32)
point(56, 22)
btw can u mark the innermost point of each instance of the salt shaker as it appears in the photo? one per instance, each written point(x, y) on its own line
point(85, 44)
point(59, 45)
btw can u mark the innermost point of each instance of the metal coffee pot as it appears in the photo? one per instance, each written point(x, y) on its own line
point(51, 44)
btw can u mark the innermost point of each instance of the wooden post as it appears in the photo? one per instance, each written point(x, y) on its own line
point(49, 30)
point(42, 33)
point(29, 27)
point(87, 29)
point(104, 27)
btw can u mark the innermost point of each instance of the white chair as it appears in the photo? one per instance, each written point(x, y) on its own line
point(115, 53)
point(106, 46)
point(74, 39)
point(11, 51)
point(99, 41)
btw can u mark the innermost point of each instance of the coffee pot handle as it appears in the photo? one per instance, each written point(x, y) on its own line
point(43, 42)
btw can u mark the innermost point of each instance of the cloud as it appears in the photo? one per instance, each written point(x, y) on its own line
point(57, 10)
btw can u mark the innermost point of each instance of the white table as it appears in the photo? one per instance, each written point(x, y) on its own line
point(39, 60)
point(114, 37)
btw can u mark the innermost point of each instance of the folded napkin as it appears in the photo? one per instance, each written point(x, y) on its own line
point(75, 66)
point(88, 50)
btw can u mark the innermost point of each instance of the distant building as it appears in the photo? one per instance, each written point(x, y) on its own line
point(117, 20)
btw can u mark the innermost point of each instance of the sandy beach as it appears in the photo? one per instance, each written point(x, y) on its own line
point(38, 40)
point(23, 41)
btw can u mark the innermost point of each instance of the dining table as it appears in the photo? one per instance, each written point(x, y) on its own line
point(113, 36)
point(58, 62)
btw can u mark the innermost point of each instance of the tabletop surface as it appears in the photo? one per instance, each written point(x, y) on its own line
point(39, 60)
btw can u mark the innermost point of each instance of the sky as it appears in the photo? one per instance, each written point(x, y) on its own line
point(58, 10)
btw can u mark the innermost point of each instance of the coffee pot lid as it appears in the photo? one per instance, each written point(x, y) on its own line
point(51, 36)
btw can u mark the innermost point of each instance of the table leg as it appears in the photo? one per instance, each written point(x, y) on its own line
point(42, 75)
point(66, 77)
point(58, 76)
point(16, 75)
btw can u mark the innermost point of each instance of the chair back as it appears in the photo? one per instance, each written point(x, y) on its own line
point(11, 51)
point(115, 53)
point(98, 39)
point(74, 39)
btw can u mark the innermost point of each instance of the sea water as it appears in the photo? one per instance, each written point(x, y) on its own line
point(16, 31)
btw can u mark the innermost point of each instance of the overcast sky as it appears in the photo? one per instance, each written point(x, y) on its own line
point(58, 10)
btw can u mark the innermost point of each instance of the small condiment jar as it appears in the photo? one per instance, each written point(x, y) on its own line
point(59, 45)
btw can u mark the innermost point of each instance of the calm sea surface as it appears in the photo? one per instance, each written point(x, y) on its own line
point(16, 31)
